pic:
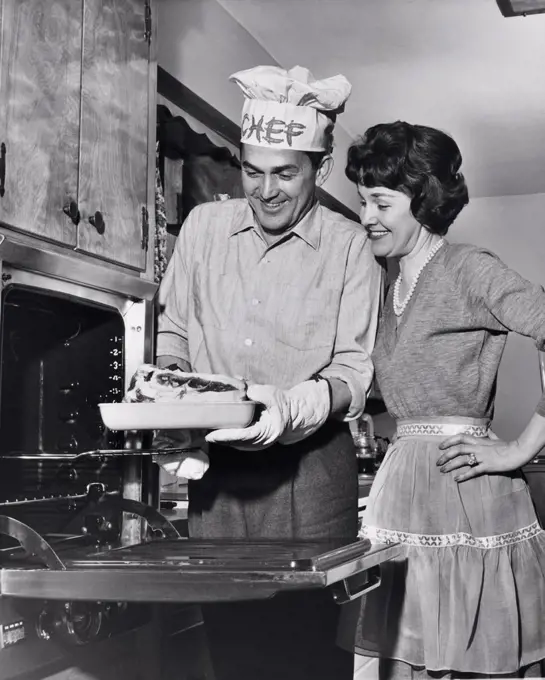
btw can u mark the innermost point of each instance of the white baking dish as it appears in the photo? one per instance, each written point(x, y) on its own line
point(177, 415)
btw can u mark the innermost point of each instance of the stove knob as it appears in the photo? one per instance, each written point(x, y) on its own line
point(44, 625)
point(71, 623)
point(82, 621)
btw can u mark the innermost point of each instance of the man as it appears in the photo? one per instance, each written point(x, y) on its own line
point(278, 290)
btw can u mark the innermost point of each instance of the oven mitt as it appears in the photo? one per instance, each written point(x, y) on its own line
point(271, 422)
point(288, 416)
point(310, 406)
point(187, 464)
point(191, 465)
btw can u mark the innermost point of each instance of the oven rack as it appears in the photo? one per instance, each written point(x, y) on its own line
point(96, 453)
point(53, 497)
point(35, 545)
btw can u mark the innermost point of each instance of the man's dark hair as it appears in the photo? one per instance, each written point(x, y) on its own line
point(316, 157)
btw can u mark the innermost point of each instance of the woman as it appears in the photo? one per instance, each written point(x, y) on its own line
point(468, 596)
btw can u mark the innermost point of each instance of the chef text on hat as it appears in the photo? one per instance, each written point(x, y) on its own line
point(289, 109)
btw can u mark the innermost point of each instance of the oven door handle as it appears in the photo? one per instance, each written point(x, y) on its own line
point(31, 541)
point(355, 586)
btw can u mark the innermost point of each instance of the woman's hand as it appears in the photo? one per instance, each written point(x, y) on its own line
point(479, 455)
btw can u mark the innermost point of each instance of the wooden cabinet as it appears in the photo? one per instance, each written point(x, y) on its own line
point(114, 130)
point(39, 114)
point(74, 122)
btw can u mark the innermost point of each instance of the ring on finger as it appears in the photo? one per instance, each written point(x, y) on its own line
point(472, 460)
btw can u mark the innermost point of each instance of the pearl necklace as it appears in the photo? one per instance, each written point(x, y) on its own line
point(399, 307)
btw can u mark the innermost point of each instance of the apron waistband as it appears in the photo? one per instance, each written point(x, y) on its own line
point(442, 427)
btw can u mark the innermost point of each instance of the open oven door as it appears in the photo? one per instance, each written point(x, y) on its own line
point(175, 569)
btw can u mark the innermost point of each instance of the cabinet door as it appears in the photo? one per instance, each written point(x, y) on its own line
point(114, 130)
point(40, 60)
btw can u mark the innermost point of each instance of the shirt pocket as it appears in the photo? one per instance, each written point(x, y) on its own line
point(307, 324)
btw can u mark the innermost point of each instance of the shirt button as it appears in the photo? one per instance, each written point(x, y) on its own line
point(255, 302)
point(248, 342)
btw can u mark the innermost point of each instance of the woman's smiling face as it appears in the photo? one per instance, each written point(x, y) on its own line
point(386, 215)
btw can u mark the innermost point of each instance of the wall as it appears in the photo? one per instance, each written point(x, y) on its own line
point(201, 45)
point(514, 228)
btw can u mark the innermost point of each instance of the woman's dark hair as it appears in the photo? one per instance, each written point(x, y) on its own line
point(420, 161)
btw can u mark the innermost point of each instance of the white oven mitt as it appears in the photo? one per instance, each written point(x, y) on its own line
point(270, 424)
point(310, 406)
point(187, 464)
point(191, 465)
point(289, 416)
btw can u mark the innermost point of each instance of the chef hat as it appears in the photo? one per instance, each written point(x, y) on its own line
point(289, 109)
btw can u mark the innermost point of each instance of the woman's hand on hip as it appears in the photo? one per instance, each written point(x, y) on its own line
point(479, 456)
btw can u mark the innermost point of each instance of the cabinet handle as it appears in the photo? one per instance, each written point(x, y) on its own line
point(2, 169)
point(71, 209)
point(98, 222)
point(147, 22)
point(145, 228)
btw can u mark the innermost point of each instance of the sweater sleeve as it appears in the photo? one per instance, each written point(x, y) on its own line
point(513, 303)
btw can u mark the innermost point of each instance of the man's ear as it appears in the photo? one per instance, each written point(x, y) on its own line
point(323, 172)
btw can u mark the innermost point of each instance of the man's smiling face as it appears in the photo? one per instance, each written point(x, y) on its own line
point(280, 186)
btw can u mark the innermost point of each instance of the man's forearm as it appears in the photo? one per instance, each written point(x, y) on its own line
point(341, 397)
point(168, 360)
point(352, 385)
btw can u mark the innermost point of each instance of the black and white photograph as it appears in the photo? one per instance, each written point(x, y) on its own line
point(272, 339)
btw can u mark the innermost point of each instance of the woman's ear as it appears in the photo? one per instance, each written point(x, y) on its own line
point(324, 170)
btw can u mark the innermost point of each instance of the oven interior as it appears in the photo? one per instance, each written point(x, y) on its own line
point(60, 357)
point(61, 354)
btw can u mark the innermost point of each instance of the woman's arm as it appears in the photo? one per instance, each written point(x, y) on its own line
point(483, 456)
point(517, 305)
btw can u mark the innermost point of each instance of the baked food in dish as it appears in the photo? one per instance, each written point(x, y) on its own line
point(153, 384)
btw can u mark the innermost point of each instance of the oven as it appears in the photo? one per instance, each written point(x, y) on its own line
point(86, 559)
point(72, 332)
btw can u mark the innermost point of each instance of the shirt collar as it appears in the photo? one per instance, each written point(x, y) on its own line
point(309, 229)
